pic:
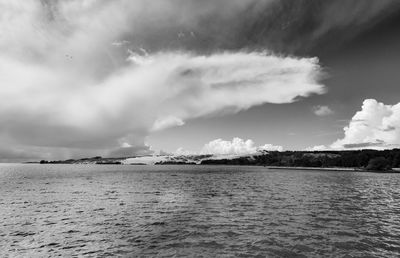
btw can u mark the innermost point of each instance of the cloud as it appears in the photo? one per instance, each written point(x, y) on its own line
point(322, 111)
point(166, 122)
point(317, 148)
point(236, 147)
point(130, 151)
point(181, 151)
point(66, 85)
point(285, 26)
point(376, 125)
point(16, 155)
point(81, 77)
point(43, 107)
point(270, 147)
point(364, 145)
point(306, 26)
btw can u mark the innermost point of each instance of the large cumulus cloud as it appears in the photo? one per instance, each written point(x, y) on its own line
point(375, 126)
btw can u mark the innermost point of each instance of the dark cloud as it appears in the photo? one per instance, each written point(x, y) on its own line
point(17, 155)
point(296, 27)
point(389, 128)
point(131, 151)
point(363, 145)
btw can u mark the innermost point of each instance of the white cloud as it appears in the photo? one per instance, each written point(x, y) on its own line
point(181, 151)
point(65, 85)
point(166, 122)
point(270, 147)
point(317, 148)
point(376, 126)
point(322, 110)
point(235, 147)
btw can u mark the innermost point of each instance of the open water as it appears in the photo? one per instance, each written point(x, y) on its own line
point(196, 211)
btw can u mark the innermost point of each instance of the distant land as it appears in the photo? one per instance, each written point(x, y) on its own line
point(372, 160)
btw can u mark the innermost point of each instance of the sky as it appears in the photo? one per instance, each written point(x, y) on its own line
point(120, 78)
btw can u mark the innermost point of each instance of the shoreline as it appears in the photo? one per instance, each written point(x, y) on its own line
point(320, 168)
point(344, 169)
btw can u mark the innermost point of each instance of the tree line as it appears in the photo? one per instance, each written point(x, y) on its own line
point(365, 159)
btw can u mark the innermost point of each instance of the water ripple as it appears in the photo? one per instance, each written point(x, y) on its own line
point(180, 211)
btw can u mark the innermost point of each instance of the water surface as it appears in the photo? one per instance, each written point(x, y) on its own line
point(196, 211)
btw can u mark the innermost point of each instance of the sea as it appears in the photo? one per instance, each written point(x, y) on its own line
point(196, 211)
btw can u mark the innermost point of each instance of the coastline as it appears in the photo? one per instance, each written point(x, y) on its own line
point(344, 169)
point(320, 168)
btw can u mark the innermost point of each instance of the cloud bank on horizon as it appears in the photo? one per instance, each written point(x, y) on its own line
point(83, 77)
point(236, 146)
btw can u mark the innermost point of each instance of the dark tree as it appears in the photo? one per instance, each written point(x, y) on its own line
point(379, 164)
point(396, 161)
